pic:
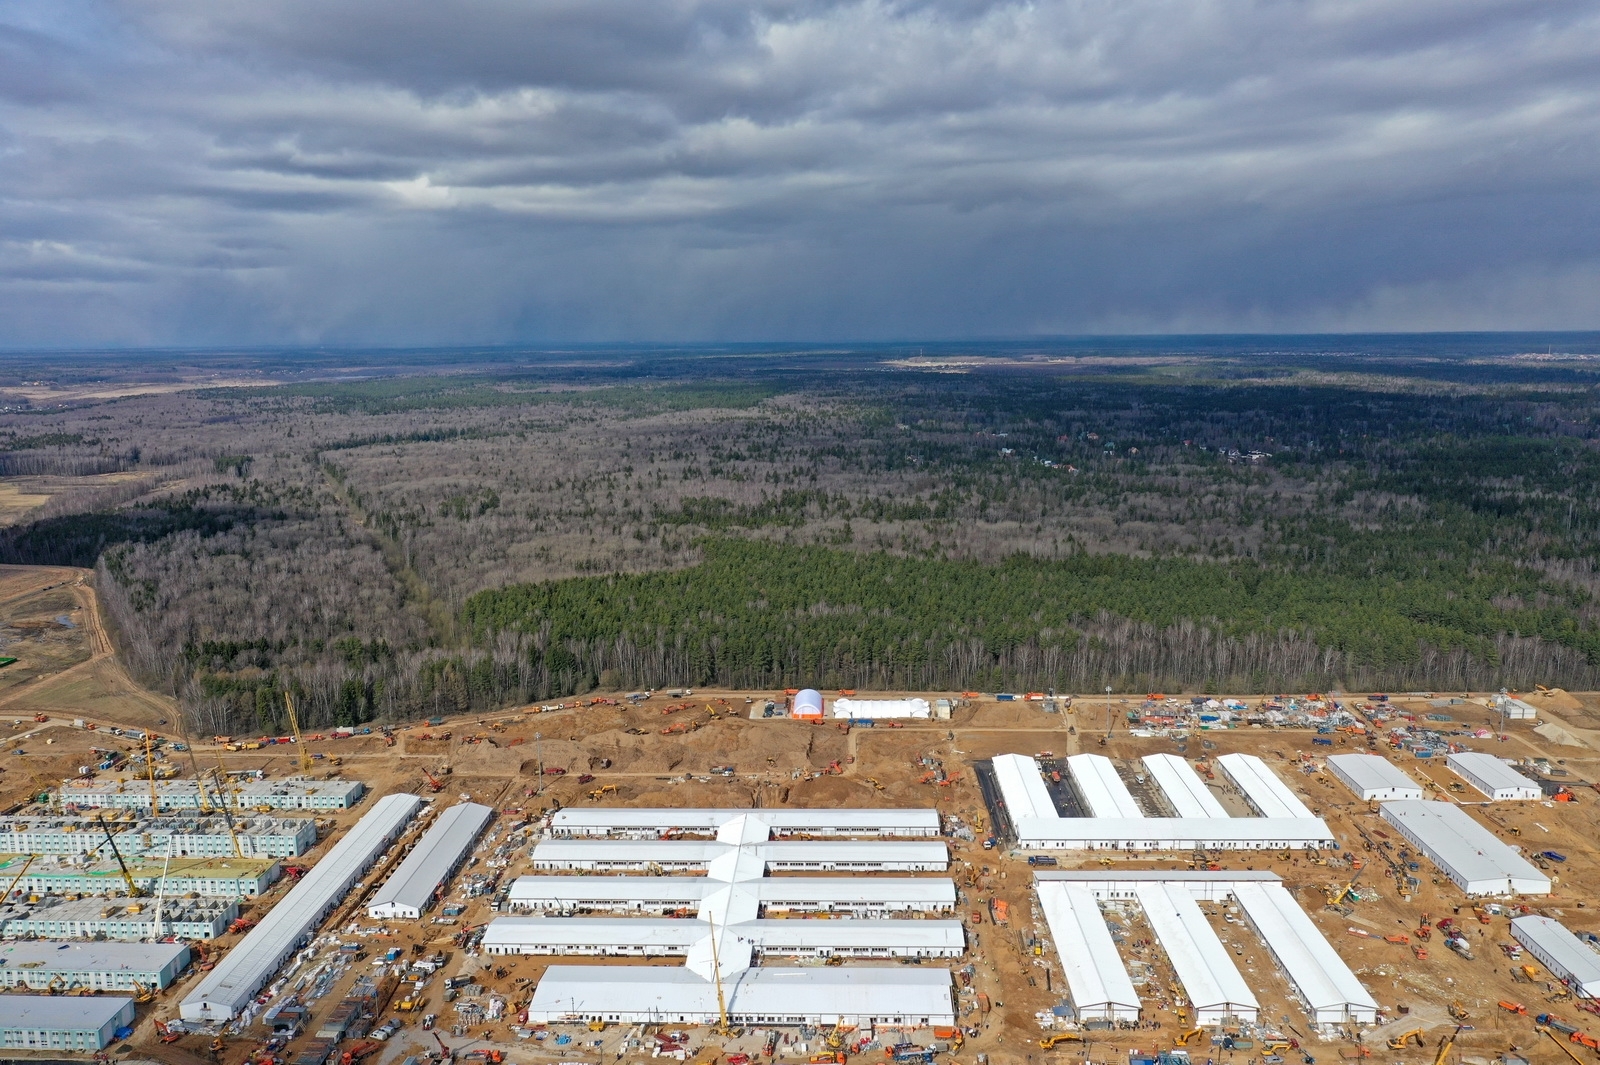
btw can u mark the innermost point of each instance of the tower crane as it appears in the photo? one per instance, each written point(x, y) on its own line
point(299, 740)
point(723, 1027)
point(218, 777)
point(150, 768)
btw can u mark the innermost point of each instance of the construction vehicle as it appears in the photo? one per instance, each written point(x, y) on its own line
point(1514, 1007)
point(597, 1025)
point(1583, 1039)
point(836, 1058)
point(1530, 971)
point(1445, 1043)
point(142, 993)
point(1564, 1048)
point(1182, 1038)
point(1050, 1042)
point(435, 785)
point(1399, 937)
point(1400, 1042)
point(299, 740)
point(363, 1049)
point(602, 792)
point(1457, 1011)
point(1550, 1020)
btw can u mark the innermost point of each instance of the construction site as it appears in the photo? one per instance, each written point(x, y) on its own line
point(1093, 879)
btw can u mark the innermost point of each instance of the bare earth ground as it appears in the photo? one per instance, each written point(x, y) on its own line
point(67, 672)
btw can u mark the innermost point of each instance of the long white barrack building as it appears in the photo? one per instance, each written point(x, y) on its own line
point(1097, 981)
point(431, 863)
point(1172, 833)
point(1102, 790)
point(784, 938)
point(852, 995)
point(1326, 987)
point(779, 856)
point(1022, 788)
point(1182, 786)
point(1567, 957)
point(229, 988)
point(1493, 777)
point(1464, 850)
point(662, 823)
point(666, 894)
point(1212, 982)
point(1263, 790)
point(1372, 777)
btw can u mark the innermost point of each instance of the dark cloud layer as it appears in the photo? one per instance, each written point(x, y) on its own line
point(420, 171)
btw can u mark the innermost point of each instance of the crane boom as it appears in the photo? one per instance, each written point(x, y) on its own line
point(299, 740)
point(150, 767)
point(17, 879)
point(716, 970)
point(127, 877)
point(218, 777)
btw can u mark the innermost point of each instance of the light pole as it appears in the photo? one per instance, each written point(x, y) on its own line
point(1108, 711)
point(538, 755)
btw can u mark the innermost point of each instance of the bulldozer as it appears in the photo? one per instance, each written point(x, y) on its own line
point(1050, 1042)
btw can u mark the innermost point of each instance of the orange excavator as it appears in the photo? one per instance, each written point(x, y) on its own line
point(434, 783)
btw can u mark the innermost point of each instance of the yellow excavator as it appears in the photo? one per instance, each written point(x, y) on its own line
point(1400, 1042)
point(1182, 1038)
point(1050, 1042)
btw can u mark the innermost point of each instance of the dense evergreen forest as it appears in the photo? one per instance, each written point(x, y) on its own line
point(443, 531)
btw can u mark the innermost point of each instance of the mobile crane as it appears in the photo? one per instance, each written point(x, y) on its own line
point(299, 740)
point(134, 891)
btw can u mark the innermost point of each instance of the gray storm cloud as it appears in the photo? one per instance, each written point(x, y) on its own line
point(199, 171)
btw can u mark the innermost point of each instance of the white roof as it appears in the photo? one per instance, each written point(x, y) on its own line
point(1021, 787)
point(1096, 976)
point(857, 889)
point(845, 821)
point(431, 860)
point(46, 955)
point(861, 855)
point(1370, 772)
point(1477, 766)
point(1266, 792)
point(853, 991)
point(1168, 833)
point(1467, 851)
point(872, 709)
point(246, 968)
point(669, 889)
point(1175, 876)
point(1102, 789)
point(1182, 786)
point(931, 891)
point(672, 935)
point(1202, 963)
point(52, 1013)
point(852, 932)
point(1322, 978)
point(1567, 955)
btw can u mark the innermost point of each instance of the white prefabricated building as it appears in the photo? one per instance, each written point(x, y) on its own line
point(1567, 957)
point(1493, 777)
point(1464, 850)
point(1371, 777)
point(881, 709)
point(432, 862)
point(1324, 984)
point(895, 995)
point(1040, 827)
point(1263, 790)
point(1326, 987)
point(1101, 789)
point(44, 1023)
point(667, 894)
point(1022, 788)
point(1097, 982)
point(799, 938)
point(1215, 988)
point(669, 822)
point(1182, 786)
point(229, 988)
point(777, 855)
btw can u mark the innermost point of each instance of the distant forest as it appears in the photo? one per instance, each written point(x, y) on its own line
point(448, 531)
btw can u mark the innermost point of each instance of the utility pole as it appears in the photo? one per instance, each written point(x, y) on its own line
point(1108, 711)
point(538, 754)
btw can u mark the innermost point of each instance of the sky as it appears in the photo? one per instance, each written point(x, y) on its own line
point(203, 172)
